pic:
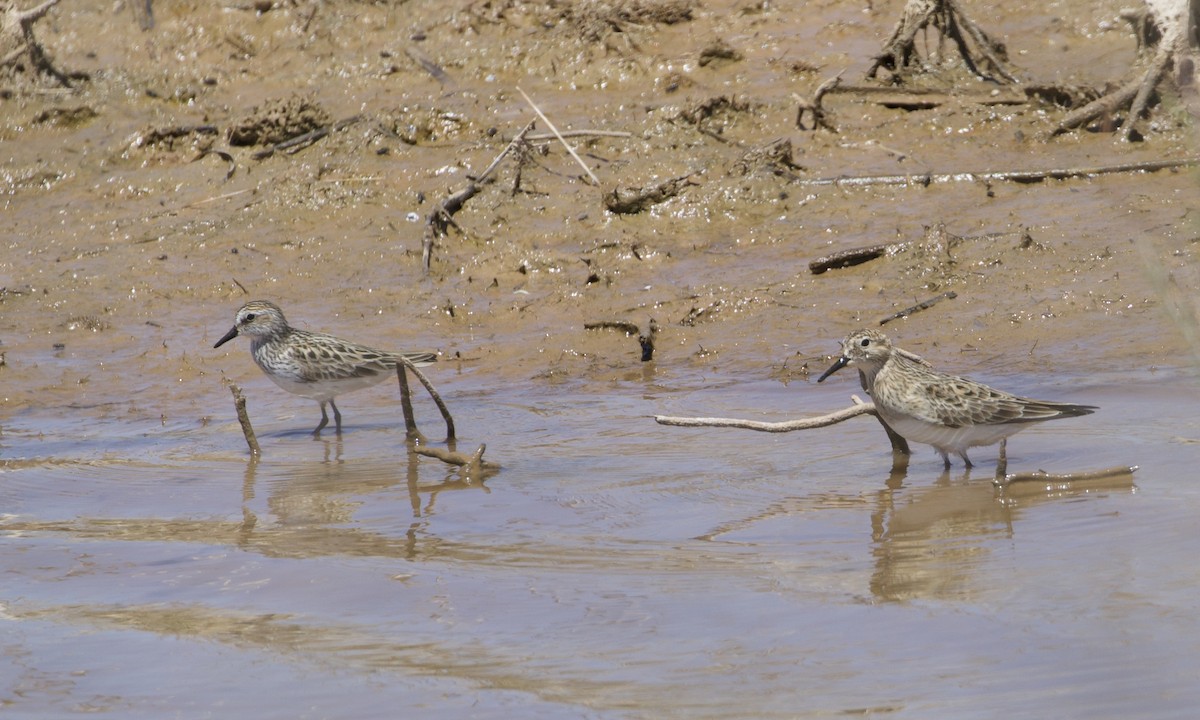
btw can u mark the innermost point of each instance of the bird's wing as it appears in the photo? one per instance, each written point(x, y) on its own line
point(325, 357)
point(960, 402)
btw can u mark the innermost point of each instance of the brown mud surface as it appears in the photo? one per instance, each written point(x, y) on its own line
point(132, 250)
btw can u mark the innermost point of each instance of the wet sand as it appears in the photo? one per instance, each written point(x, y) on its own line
point(611, 567)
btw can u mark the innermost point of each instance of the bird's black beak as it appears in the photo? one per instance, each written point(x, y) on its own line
point(842, 362)
point(233, 333)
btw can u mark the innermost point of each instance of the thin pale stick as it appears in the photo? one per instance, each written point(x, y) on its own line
point(521, 136)
point(809, 423)
point(558, 135)
point(1018, 176)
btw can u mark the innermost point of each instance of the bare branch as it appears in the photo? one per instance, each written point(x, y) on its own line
point(557, 134)
point(433, 393)
point(410, 421)
point(859, 408)
point(1002, 479)
point(1042, 476)
point(442, 216)
point(948, 295)
point(852, 256)
point(474, 469)
point(820, 117)
point(1019, 176)
point(239, 404)
point(533, 137)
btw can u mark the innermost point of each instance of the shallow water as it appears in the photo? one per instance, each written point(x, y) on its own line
point(612, 567)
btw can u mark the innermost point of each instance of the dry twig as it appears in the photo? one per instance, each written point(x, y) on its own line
point(304, 140)
point(820, 118)
point(1018, 176)
point(561, 139)
point(442, 217)
point(852, 256)
point(948, 295)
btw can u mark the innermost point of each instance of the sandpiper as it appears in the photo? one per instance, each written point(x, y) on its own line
point(309, 364)
point(948, 412)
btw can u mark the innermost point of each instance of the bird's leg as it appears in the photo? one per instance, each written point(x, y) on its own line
point(324, 421)
point(945, 457)
point(966, 460)
point(337, 416)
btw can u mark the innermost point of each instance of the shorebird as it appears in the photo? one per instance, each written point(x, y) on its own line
point(950, 413)
point(310, 364)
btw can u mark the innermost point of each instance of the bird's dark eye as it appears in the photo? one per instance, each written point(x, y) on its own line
point(248, 318)
point(866, 342)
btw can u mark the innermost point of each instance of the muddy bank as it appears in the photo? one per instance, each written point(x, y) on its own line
point(137, 223)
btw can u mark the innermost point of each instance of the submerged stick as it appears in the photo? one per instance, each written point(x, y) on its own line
point(631, 200)
point(1002, 479)
point(1045, 477)
point(472, 466)
point(239, 404)
point(915, 98)
point(428, 65)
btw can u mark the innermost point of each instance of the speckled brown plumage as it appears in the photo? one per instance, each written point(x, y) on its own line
point(310, 364)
